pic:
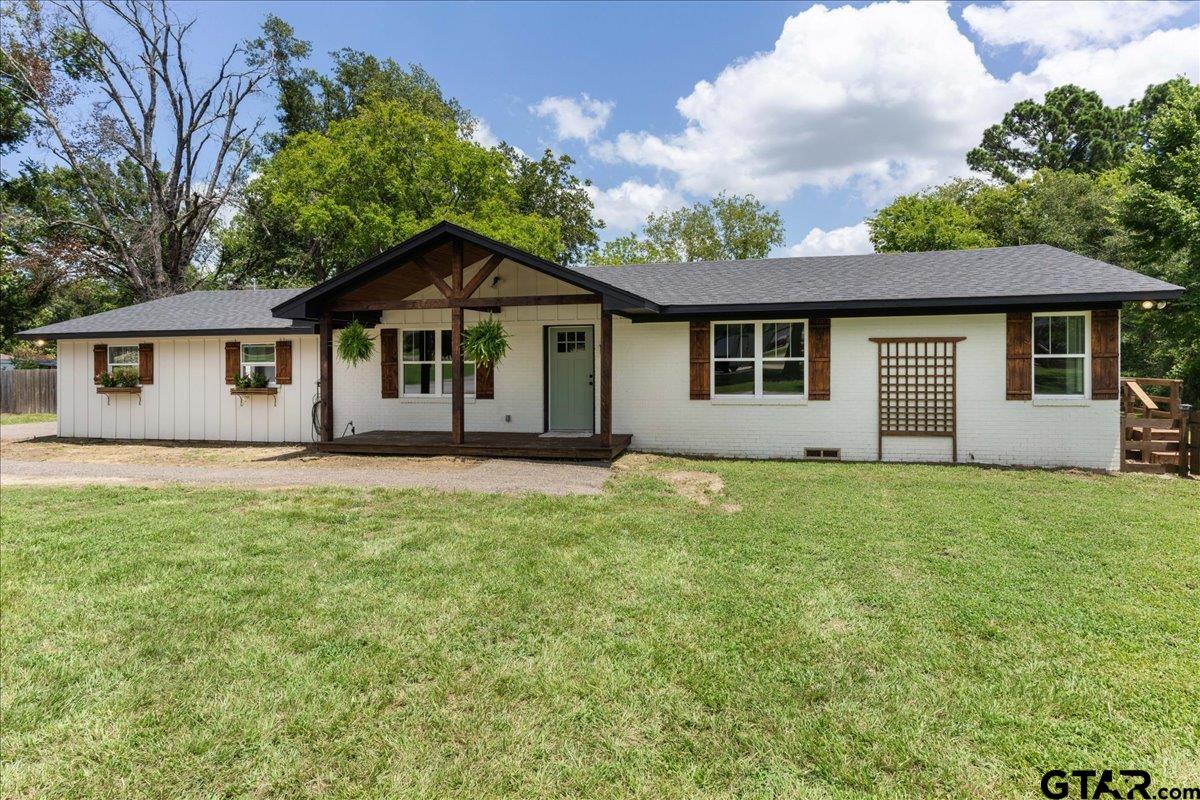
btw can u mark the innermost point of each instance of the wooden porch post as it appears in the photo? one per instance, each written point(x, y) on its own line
point(326, 352)
point(606, 378)
point(457, 428)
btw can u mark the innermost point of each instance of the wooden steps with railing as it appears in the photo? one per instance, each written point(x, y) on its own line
point(1155, 426)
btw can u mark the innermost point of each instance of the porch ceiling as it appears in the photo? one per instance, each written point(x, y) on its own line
point(406, 278)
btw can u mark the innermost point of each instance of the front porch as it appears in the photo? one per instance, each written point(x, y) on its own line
point(481, 444)
point(419, 298)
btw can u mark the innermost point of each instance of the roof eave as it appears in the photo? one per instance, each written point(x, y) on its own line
point(914, 305)
point(34, 334)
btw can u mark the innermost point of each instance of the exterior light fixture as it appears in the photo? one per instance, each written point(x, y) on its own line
point(1147, 304)
point(40, 342)
point(1161, 305)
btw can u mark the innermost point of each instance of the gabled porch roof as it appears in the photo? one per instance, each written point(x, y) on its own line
point(433, 249)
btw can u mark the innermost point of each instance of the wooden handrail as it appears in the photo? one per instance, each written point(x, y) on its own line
point(1141, 395)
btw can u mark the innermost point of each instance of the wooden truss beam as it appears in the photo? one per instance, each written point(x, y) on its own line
point(469, 303)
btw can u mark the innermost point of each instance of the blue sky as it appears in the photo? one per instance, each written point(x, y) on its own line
point(825, 111)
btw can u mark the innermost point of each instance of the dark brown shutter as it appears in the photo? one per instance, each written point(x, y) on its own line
point(389, 363)
point(99, 361)
point(1018, 375)
point(818, 359)
point(233, 360)
point(283, 362)
point(146, 363)
point(699, 340)
point(485, 386)
point(1106, 354)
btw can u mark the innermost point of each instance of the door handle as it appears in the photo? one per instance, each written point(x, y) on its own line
point(592, 379)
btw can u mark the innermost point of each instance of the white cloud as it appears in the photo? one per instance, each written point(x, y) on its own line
point(1120, 74)
point(626, 206)
point(482, 135)
point(883, 98)
point(848, 241)
point(877, 93)
point(1053, 26)
point(573, 118)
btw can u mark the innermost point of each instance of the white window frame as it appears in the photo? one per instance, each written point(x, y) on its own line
point(758, 359)
point(437, 362)
point(1086, 355)
point(112, 367)
point(248, 367)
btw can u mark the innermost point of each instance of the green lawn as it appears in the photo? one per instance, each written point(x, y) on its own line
point(18, 419)
point(853, 630)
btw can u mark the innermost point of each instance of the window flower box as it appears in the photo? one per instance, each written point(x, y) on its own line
point(241, 394)
point(109, 391)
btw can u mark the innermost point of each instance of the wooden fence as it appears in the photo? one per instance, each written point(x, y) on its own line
point(28, 391)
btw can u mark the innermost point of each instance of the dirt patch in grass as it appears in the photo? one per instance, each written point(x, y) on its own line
point(225, 455)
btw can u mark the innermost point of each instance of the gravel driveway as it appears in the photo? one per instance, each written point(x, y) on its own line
point(64, 462)
point(27, 430)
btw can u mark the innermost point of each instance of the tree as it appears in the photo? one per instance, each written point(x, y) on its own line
point(185, 139)
point(728, 227)
point(48, 271)
point(326, 201)
point(936, 219)
point(308, 102)
point(1071, 130)
point(548, 188)
point(1161, 210)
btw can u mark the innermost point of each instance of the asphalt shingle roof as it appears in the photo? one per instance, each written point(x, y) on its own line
point(951, 278)
point(998, 272)
point(228, 311)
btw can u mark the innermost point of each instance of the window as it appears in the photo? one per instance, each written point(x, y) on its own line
point(123, 357)
point(259, 358)
point(1060, 350)
point(759, 359)
point(427, 367)
point(570, 341)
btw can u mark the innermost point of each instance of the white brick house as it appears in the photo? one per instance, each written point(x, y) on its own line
point(998, 356)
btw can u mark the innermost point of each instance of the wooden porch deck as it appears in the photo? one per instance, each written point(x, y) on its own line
point(486, 444)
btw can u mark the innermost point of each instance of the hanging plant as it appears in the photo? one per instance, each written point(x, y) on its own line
point(354, 345)
point(485, 342)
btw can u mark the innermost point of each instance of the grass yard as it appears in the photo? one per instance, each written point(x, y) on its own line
point(20, 419)
point(817, 630)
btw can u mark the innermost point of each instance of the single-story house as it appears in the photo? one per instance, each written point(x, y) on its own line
point(1006, 355)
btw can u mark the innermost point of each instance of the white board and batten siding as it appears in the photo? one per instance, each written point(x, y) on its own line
point(189, 399)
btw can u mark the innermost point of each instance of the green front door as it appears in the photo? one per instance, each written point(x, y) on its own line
point(570, 379)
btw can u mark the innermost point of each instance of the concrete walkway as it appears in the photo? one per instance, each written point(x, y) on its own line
point(506, 476)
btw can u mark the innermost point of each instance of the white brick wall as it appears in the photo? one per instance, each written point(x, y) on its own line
point(650, 400)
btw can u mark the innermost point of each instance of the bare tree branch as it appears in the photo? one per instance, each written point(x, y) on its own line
point(151, 226)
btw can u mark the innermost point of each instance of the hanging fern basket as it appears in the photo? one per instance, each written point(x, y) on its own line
point(485, 342)
point(354, 345)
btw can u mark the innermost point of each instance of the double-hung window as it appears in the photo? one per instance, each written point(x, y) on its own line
point(259, 358)
point(123, 358)
point(427, 366)
point(1060, 354)
point(759, 359)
